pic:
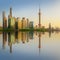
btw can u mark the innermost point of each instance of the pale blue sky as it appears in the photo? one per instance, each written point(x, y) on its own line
point(29, 9)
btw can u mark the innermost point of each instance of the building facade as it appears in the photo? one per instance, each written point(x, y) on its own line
point(11, 22)
point(4, 21)
point(19, 23)
point(31, 24)
point(24, 23)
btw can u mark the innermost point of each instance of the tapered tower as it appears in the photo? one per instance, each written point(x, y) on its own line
point(39, 18)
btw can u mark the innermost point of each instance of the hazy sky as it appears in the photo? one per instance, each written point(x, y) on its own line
point(50, 10)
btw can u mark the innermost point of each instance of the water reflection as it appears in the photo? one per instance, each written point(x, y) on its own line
point(17, 37)
point(39, 41)
point(4, 39)
point(35, 44)
point(11, 40)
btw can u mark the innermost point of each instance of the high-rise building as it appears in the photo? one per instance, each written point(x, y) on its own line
point(11, 22)
point(4, 20)
point(16, 24)
point(31, 24)
point(24, 23)
point(10, 12)
point(27, 23)
point(39, 18)
point(19, 23)
point(10, 19)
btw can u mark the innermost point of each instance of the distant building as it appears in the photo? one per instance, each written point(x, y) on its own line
point(27, 23)
point(31, 24)
point(16, 24)
point(4, 21)
point(36, 27)
point(24, 23)
point(43, 27)
point(11, 22)
point(19, 23)
point(10, 12)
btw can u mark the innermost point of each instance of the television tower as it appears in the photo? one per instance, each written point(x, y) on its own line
point(39, 18)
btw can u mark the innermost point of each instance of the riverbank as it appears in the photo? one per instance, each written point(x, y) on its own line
point(11, 30)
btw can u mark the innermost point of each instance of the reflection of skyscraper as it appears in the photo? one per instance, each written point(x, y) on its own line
point(11, 40)
point(49, 26)
point(16, 36)
point(23, 37)
point(39, 41)
point(4, 21)
point(19, 37)
point(31, 35)
point(27, 36)
point(4, 39)
point(39, 19)
point(49, 33)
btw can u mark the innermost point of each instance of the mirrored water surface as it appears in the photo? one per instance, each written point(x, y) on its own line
point(30, 46)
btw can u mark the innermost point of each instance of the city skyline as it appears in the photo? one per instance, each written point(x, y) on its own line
point(29, 29)
point(48, 13)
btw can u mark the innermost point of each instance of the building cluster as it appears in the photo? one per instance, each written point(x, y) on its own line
point(16, 23)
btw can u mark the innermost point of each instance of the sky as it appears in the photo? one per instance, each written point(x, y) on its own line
point(50, 10)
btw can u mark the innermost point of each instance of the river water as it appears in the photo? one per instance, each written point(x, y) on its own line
point(30, 46)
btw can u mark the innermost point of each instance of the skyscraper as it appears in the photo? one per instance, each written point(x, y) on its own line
point(27, 23)
point(39, 18)
point(10, 12)
point(9, 18)
point(31, 25)
point(24, 23)
point(19, 23)
point(4, 20)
